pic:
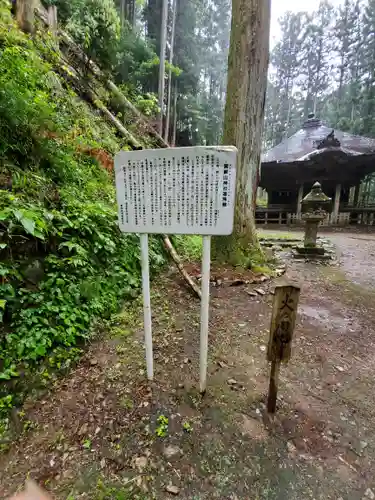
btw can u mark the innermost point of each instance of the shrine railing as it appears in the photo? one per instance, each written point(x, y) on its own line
point(357, 216)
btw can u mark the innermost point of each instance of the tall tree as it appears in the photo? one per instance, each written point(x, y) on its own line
point(127, 12)
point(285, 69)
point(171, 49)
point(243, 122)
point(187, 56)
point(213, 60)
point(317, 48)
point(368, 68)
point(163, 42)
point(152, 15)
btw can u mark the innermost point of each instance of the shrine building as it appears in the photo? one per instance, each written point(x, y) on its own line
point(338, 160)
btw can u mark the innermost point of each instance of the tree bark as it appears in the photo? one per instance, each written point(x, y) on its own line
point(243, 122)
point(116, 123)
point(96, 71)
point(122, 12)
point(163, 41)
point(25, 15)
point(175, 257)
point(83, 89)
point(168, 110)
point(174, 130)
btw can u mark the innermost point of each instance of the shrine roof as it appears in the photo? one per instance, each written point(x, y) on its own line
point(314, 139)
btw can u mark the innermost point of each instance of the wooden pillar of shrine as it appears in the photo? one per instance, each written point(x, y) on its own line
point(336, 205)
point(299, 202)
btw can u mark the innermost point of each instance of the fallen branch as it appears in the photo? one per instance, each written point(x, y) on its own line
point(97, 72)
point(71, 75)
point(111, 86)
point(116, 123)
point(42, 13)
point(172, 252)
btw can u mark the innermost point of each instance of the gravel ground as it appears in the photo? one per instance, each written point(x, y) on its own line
point(94, 435)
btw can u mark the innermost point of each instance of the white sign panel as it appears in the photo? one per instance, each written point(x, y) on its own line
point(177, 190)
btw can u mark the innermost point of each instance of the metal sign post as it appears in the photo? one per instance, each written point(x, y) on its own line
point(147, 306)
point(206, 261)
point(177, 191)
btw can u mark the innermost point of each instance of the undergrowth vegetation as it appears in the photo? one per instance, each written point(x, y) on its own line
point(63, 260)
point(189, 247)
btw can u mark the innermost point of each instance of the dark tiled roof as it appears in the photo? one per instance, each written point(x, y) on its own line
point(312, 140)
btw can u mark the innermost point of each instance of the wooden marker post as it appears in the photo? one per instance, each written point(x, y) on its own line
point(283, 320)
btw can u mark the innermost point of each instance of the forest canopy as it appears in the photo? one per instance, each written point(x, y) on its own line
point(324, 63)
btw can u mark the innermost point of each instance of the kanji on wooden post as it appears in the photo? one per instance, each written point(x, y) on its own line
point(283, 321)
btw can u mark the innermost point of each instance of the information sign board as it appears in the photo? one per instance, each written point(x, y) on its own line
point(176, 190)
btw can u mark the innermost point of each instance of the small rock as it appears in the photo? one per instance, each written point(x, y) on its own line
point(262, 348)
point(83, 430)
point(279, 272)
point(260, 291)
point(171, 451)
point(251, 293)
point(93, 362)
point(363, 444)
point(172, 489)
point(290, 447)
point(369, 494)
point(139, 463)
point(241, 325)
point(238, 282)
point(340, 368)
point(102, 463)
point(232, 381)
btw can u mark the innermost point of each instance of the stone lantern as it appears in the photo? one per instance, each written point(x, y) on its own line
point(314, 209)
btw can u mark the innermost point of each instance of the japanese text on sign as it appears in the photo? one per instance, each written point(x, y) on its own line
point(177, 190)
point(282, 323)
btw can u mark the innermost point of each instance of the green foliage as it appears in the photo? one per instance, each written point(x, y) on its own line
point(6, 402)
point(189, 247)
point(86, 444)
point(64, 262)
point(187, 427)
point(94, 25)
point(134, 60)
point(105, 491)
point(162, 427)
point(147, 104)
point(137, 64)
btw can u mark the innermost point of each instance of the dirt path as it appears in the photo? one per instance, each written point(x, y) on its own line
point(357, 257)
point(94, 436)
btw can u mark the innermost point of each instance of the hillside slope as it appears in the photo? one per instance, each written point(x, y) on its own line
point(63, 261)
